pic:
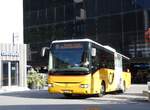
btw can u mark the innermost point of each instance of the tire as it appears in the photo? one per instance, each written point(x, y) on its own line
point(102, 90)
point(68, 95)
point(124, 87)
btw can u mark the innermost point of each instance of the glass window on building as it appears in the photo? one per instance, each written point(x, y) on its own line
point(79, 29)
point(114, 24)
point(69, 29)
point(128, 5)
point(90, 28)
point(49, 32)
point(130, 39)
point(140, 21)
point(114, 6)
point(41, 16)
point(59, 31)
point(59, 13)
point(50, 15)
point(129, 22)
point(10, 70)
point(69, 12)
point(91, 8)
point(33, 19)
point(103, 25)
point(102, 7)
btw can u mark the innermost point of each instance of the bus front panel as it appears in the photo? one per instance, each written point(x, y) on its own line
point(69, 84)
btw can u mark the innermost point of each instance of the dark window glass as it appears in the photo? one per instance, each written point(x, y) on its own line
point(49, 32)
point(140, 21)
point(59, 31)
point(114, 6)
point(149, 17)
point(114, 24)
point(90, 27)
point(129, 22)
point(50, 15)
point(128, 5)
point(5, 74)
point(142, 4)
point(79, 28)
point(115, 41)
point(14, 73)
point(100, 7)
point(41, 16)
point(78, 8)
point(103, 25)
point(69, 29)
point(125, 64)
point(69, 58)
point(33, 20)
point(130, 44)
point(69, 12)
point(27, 19)
point(103, 58)
point(91, 8)
point(60, 13)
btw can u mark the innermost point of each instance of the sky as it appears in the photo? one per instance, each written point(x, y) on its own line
point(11, 21)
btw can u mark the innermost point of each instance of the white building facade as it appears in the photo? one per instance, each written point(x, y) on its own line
point(12, 48)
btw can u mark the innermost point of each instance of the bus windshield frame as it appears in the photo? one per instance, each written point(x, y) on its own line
point(70, 58)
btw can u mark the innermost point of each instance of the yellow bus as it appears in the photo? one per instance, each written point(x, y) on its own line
point(85, 67)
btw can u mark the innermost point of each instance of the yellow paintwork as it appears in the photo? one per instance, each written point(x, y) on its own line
point(127, 78)
point(71, 84)
point(107, 77)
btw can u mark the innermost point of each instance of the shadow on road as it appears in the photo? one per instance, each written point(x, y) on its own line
point(41, 94)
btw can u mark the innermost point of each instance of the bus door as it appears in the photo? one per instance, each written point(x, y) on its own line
point(118, 70)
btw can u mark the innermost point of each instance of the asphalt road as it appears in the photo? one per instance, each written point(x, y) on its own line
point(42, 100)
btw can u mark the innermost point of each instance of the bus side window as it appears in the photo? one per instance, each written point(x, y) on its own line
point(103, 59)
point(125, 64)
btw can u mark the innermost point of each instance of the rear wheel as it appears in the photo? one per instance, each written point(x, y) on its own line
point(123, 88)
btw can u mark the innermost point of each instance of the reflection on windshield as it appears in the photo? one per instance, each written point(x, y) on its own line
point(70, 59)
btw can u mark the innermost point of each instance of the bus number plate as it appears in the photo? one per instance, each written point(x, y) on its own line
point(67, 91)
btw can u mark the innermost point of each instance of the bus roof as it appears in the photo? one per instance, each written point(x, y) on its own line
point(89, 40)
point(77, 40)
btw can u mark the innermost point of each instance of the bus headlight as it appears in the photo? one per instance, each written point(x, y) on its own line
point(50, 85)
point(84, 85)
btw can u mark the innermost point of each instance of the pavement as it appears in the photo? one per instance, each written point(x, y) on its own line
point(41, 100)
point(134, 93)
point(137, 88)
point(11, 89)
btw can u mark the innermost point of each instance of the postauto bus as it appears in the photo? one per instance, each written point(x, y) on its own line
point(85, 67)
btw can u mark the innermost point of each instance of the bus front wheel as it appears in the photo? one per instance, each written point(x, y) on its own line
point(102, 89)
point(68, 95)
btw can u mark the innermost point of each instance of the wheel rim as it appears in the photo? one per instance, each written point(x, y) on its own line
point(102, 89)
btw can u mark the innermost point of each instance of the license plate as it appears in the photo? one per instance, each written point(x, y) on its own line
point(67, 91)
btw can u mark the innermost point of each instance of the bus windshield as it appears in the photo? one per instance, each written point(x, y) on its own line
point(70, 58)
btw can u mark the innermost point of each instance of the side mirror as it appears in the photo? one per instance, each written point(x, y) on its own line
point(93, 52)
point(43, 51)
